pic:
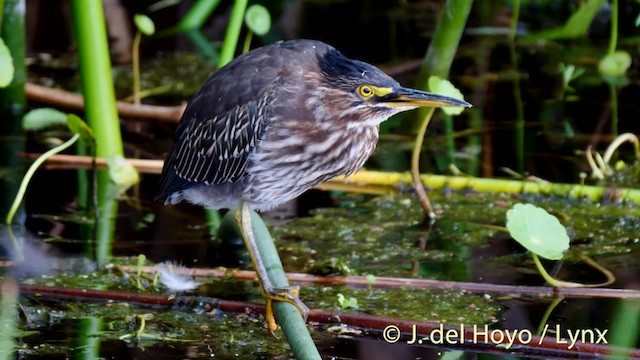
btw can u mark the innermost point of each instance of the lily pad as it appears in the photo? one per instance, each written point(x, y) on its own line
point(6, 65)
point(144, 24)
point(615, 64)
point(538, 231)
point(42, 118)
point(258, 19)
point(121, 172)
point(446, 88)
point(77, 126)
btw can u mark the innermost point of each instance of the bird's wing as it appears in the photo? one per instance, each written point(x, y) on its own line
point(226, 119)
point(215, 150)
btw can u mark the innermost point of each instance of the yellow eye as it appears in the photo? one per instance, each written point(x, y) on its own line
point(365, 91)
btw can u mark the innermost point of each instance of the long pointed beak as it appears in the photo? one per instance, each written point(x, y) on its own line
point(412, 97)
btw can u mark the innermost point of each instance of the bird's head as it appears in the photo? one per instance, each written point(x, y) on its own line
point(361, 94)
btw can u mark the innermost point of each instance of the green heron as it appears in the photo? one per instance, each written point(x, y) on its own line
point(273, 123)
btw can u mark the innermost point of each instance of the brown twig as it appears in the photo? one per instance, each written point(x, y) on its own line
point(467, 336)
point(393, 282)
point(61, 98)
point(62, 161)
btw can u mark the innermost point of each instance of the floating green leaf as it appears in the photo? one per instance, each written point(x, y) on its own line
point(615, 64)
point(569, 73)
point(6, 65)
point(258, 19)
point(538, 231)
point(144, 24)
point(77, 126)
point(121, 171)
point(38, 119)
point(446, 88)
point(351, 303)
point(577, 25)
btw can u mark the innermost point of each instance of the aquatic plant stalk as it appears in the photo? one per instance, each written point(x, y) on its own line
point(85, 343)
point(12, 97)
point(515, 15)
point(519, 121)
point(97, 80)
point(106, 220)
point(233, 32)
point(415, 165)
point(613, 96)
point(547, 313)
point(32, 170)
point(100, 110)
point(8, 318)
point(613, 36)
point(288, 316)
point(203, 44)
point(247, 41)
point(444, 44)
point(195, 17)
point(437, 61)
point(560, 283)
point(135, 65)
point(622, 331)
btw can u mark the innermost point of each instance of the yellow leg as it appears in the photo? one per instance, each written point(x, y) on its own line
point(286, 294)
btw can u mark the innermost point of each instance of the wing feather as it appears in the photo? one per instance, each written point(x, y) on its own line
point(216, 150)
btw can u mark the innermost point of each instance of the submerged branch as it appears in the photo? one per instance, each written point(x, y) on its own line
point(542, 346)
point(71, 101)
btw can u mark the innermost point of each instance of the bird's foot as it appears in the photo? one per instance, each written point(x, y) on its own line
point(288, 294)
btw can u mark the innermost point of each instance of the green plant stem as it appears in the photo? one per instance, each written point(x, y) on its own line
point(195, 17)
point(233, 32)
point(247, 41)
point(203, 44)
point(624, 333)
point(613, 95)
point(613, 37)
point(85, 341)
point(415, 165)
point(559, 283)
point(230, 43)
point(32, 170)
point(13, 100)
point(548, 278)
point(444, 43)
point(287, 314)
point(519, 123)
point(515, 15)
point(97, 80)
point(1, 12)
point(213, 221)
point(9, 329)
point(547, 313)
point(135, 64)
point(609, 275)
point(437, 61)
point(107, 193)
